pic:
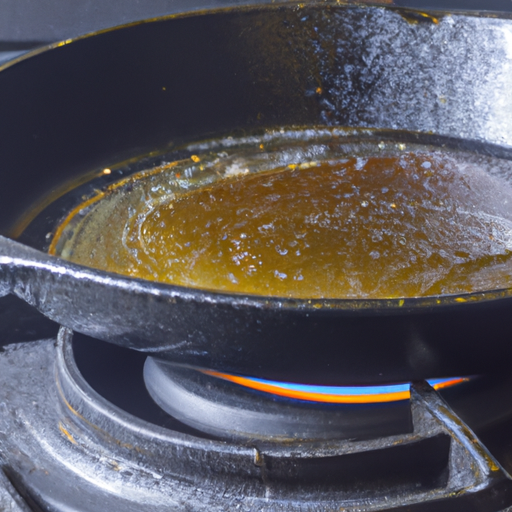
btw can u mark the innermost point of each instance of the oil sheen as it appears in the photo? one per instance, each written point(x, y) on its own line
point(379, 221)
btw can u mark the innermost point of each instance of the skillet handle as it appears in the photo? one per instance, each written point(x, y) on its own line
point(129, 312)
point(11, 253)
point(83, 299)
point(18, 264)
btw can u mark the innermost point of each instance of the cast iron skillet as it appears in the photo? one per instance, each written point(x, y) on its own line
point(127, 92)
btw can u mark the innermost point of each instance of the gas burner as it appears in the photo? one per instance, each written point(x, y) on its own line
point(57, 434)
point(228, 410)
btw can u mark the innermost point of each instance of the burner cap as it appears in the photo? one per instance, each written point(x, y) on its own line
point(231, 411)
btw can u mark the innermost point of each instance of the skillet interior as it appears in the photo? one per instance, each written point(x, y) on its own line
point(152, 86)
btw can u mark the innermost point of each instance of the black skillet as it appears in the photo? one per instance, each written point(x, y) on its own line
point(119, 94)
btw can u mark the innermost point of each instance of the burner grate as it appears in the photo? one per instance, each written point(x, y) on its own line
point(55, 429)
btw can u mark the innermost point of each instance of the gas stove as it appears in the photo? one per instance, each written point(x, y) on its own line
point(89, 426)
point(79, 431)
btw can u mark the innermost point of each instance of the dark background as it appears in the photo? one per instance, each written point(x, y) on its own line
point(28, 23)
